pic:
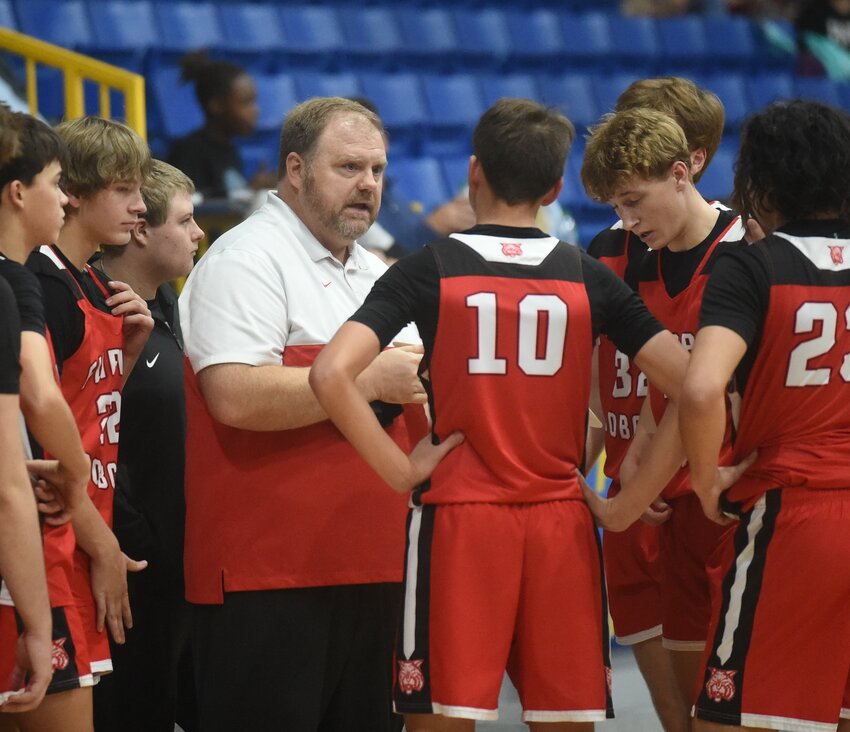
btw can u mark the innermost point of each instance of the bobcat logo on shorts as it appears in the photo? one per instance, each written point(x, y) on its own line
point(609, 680)
point(410, 676)
point(59, 656)
point(511, 248)
point(837, 254)
point(721, 685)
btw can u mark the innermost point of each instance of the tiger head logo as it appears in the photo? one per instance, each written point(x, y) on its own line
point(836, 253)
point(511, 248)
point(720, 685)
point(410, 676)
point(59, 656)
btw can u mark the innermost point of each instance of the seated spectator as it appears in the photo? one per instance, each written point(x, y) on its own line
point(209, 156)
point(828, 20)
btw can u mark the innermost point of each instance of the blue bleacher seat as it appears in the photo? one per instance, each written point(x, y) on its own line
point(483, 36)
point(326, 84)
point(7, 15)
point(312, 34)
point(429, 37)
point(683, 43)
point(251, 33)
point(186, 26)
point(372, 36)
point(259, 152)
point(731, 89)
point(536, 38)
point(587, 40)
point(400, 104)
point(455, 171)
point(764, 88)
point(122, 25)
point(717, 182)
point(454, 106)
point(420, 180)
point(573, 94)
point(730, 42)
point(634, 44)
point(496, 86)
point(275, 97)
point(174, 104)
point(608, 87)
point(63, 22)
point(820, 89)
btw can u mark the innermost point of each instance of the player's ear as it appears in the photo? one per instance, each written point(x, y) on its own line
point(13, 194)
point(698, 158)
point(140, 232)
point(681, 173)
point(553, 193)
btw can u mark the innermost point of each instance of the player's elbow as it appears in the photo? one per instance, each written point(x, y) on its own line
point(325, 373)
point(699, 396)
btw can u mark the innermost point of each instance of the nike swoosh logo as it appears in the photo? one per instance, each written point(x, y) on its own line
point(325, 284)
point(152, 361)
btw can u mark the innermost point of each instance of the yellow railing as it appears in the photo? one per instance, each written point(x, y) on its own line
point(76, 68)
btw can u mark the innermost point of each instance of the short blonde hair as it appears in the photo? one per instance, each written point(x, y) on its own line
point(698, 111)
point(159, 188)
point(636, 142)
point(102, 152)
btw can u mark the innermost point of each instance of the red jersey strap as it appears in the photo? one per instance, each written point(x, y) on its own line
point(100, 286)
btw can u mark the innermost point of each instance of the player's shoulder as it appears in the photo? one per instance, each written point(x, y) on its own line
point(610, 242)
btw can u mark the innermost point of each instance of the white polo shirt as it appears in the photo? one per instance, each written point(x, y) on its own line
point(268, 285)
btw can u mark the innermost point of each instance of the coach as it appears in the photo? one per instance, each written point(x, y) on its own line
point(294, 547)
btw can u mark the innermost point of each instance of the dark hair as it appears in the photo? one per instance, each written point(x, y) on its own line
point(39, 146)
point(212, 79)
point(795, 160)
point(522, 147)
point(306, 121)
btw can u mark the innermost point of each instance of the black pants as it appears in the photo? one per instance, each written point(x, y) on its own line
point(152, 686)
point(300, 660)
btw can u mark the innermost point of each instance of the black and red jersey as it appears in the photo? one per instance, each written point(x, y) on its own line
point(788, 297)
point(508, 317)
point(622, 385)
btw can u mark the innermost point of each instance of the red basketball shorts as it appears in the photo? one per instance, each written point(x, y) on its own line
point(779, 651)
point(490, 587)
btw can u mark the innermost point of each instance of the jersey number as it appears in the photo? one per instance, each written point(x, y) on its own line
point(623, 380)
point(810, 313)
point(532, 359)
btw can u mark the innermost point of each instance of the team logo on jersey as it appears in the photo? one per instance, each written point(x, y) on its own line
point(59, 656)
point(511, 248)
point(721, 685)
point(410, 676)
point(836, 253)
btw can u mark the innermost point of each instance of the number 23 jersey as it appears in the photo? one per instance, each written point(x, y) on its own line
point(788, 297)
point(508, 318)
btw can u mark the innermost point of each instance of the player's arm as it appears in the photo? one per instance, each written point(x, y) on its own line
point(50, 420)
point(716, 354)
point(333, 379)
point(595, 435)
point(271, 398)
point(22, 559)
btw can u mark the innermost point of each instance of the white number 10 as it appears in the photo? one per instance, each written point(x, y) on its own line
point(530, 359)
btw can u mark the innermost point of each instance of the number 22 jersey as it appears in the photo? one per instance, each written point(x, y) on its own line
point(508, 318)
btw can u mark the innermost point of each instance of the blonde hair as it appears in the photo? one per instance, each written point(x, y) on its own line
point(102, 152)
point(159, 188)
point(635, 142)
point(698, 111)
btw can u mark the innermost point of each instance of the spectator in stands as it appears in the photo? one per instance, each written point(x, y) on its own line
point(829, 19)
point(209, 156)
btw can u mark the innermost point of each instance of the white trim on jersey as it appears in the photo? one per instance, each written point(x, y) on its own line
point(786, 724)
point(639, 637)
point(821, 251)
point(104, 666)
point(513, 251)
point(742, 564)
point(576, 715)
point(50, 254)
point(5, 595)
point(409, 621)
point(845, 713)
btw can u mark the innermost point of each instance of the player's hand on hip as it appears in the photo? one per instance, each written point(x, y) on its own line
point(658, 512)
point(724, 478)
point(606, 511)
point(426, 456)
point(393, 376)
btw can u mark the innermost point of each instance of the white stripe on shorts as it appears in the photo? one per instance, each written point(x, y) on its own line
point(409, 627)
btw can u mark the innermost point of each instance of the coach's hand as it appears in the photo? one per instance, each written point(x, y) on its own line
point(393, 377)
